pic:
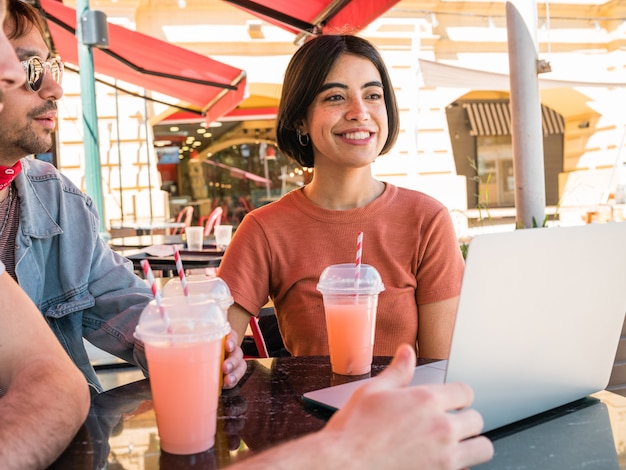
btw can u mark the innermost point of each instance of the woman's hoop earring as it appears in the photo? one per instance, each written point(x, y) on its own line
point(303, 139)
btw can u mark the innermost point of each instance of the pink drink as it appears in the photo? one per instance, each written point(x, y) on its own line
point(350, 337)
point(185, 380)
point(184, 342)
point(350, 300)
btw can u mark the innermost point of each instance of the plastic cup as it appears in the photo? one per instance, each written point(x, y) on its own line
point(201, 284)
point(350, 307)
point(184, 353)
point(223, 234)
point(194, 237)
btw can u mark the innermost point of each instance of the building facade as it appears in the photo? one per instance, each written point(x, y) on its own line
point(449, 63)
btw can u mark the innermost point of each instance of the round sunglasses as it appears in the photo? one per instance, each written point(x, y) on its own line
point(35, 68)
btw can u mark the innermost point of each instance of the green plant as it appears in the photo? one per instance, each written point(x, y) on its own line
point(482, 204)
point(555, 216)
point(464, 247)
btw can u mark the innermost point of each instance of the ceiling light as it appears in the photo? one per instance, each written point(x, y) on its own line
point(174, 129)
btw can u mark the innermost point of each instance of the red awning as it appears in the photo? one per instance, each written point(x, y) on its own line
point(239, 114)
point(317, 16)
point(211, 86)
point(238, 172)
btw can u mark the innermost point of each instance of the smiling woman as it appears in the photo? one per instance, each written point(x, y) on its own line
point(337, 114)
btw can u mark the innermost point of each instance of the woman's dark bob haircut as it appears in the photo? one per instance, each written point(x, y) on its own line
point(304, 78)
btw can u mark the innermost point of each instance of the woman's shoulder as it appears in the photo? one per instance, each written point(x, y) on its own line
point(278, 207)
point(413, 196)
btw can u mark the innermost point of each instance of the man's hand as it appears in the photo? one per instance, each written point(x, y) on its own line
point(396, 426)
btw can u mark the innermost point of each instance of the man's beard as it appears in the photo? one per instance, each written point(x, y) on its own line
point(33, 142)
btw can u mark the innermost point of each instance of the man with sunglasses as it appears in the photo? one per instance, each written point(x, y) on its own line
point(49, 239)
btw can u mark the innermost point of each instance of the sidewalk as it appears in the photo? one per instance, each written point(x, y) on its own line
point(473, 221)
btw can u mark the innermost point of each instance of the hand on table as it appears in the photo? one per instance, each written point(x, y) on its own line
point(390, 425)
point(234, 366)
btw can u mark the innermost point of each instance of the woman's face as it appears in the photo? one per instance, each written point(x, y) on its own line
point(347, 120)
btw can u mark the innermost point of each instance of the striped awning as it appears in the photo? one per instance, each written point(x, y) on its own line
point(494, 118)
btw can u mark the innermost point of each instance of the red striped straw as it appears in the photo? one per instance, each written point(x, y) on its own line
point(359, 253)
point(147, 272)
point(181, 271)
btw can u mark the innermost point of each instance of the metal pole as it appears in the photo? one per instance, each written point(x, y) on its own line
point(93, 175)
point(527, 135)
point(147, 130)
point(119, 151)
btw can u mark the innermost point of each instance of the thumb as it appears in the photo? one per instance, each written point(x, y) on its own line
point(399, 373)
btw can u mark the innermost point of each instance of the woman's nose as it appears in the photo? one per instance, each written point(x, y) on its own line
point(357, 110)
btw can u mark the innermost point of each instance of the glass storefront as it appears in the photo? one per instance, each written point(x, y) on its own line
point(246, 176)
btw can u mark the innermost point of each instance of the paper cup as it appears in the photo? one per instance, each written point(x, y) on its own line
point(195, 236)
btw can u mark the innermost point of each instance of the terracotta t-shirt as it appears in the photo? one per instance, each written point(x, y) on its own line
point(280, 250)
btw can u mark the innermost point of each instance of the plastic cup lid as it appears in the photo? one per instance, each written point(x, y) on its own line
point(182, 319)
point(212, 286)
point(341, 279)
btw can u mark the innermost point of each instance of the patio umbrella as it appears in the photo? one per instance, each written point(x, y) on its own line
point(310, 17)
point(214, 88)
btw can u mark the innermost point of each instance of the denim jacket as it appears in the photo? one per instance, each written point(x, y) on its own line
point(81, 286)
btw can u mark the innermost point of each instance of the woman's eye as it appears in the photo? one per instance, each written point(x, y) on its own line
point(334, 98)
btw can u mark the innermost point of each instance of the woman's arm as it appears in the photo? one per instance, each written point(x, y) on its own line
point(436, 322)
point(239, 319)
point(234, 366)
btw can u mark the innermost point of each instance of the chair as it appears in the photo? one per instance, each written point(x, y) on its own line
point(263, 338)
point(257, 335)
point(617, 381)
point(185, 216)
point(214, 218)
point(246, 204)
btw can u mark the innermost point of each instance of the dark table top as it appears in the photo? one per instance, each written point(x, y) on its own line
point(142, 241)
point(134, 248)
point(190, 259)
point(265, 409)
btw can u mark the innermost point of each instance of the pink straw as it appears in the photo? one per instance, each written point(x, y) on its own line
point(181, 271)
point(359, 253)
point(147, 271)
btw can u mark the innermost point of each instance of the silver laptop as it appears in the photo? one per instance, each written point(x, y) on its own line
point(538, 321)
